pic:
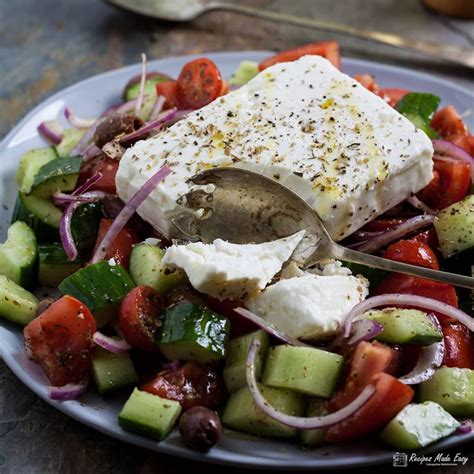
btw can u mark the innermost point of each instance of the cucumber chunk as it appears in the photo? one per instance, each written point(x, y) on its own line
point(71, 137)
point(30, 163)
point(18, 255)
point(245, 71)
point(404, 326)
point(54, 266)
point(85, 224)
point(419, 425)
point(40, 214)
point(101, 287)
point(192, 332)
point(235, 361)
point(112, 371)
point(16, 304)
point(455, 227)
point(241, 413)
point(149, 415)
point(305, 370)
point(452, 388)
point(146, 269)
point(314, 437)
point(60, 174)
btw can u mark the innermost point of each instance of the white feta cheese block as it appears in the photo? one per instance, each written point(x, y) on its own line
point(316, 130)
point(226, 270)
point(309, 307)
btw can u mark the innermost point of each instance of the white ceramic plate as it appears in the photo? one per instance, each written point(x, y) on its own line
point(91, 97)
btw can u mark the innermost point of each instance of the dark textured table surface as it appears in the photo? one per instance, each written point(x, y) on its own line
point(49, 44)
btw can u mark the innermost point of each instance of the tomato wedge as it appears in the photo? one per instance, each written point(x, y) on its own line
point(392, 95)
point(169, 90)
point(139, 317)
point(414, 252)
point(121, 248)
point(459, 346)
point(104, 165)
point(326, 49)
point(368, 82)
point(199, 83)
point(191, 384)
point(60, 339)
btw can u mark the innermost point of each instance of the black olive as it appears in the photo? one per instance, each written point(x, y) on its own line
point(200, 428)
point(116, 125)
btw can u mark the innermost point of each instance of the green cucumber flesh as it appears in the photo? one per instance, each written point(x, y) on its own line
point(71, 137)
point(101, 287)
point(314, 437)
point(146, 269)
point(16, 304)
point(18, 255)
point(30, 163)
point(132, 91)
point(54, 265)
point(418, 425)
point(192, 332)
point(85, 224)
point(149, 415)
point(404, 326)
point(306, 370)
point(112, 371)
point(242, 414)
point(60, 174)
point(236, 356)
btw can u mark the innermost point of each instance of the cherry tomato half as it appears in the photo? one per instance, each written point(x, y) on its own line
point(104, 165)
point(414, 252)
point(199, 83)
point(459, 348)
point(168, 89)
point(139, 317)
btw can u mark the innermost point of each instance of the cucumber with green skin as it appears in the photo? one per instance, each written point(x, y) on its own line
point(314, 437)
point(54, 265)
point(101, 287)
point(236, 358)
point(19, 254)
point(404, 326)
point(418, 425)
point(85, 224)
point(30, 163)
point(146, 269)
point(192, 332)
point(112, 371)
point(305, 370)
point(40, 214)
point(71, 137)
point(242, 414)
point(149, 415)
point(60, 174)
point(16, 304)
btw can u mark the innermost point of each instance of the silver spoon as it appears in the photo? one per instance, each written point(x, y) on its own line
point(187, 10)
point(241, 206)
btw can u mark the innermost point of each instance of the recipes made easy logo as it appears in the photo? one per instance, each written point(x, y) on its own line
point(439, 459)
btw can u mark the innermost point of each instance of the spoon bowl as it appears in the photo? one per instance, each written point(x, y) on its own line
point(242, 206)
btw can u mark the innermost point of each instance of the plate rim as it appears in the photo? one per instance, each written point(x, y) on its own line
point(234, 458)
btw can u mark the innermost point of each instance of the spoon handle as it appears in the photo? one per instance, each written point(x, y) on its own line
point(349, 255)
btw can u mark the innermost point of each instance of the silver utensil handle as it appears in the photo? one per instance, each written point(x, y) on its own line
point(452, 53)
point(353, 256)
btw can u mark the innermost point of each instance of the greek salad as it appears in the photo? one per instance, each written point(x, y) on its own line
point(211, 335)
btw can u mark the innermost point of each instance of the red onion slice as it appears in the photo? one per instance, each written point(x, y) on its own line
point(50, 130)
point(92, 196)
point(90, 151)
point(76, 121)
point(88, 183)
point(410, 225)
point(416, 203)
point(65, 231)
point(364, 330)
point(157, 108)
point(430, 358)
point(416, 301)
point(67, 392)
point(171, 366)
point(86, 138)
point(127, 212)
point(466, 427)
point(452, 150)
point(138, 105)
point(111, 344)
point(269, 328)
point(298, 422)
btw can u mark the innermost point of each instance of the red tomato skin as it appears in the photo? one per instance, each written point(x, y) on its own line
point(393, 95)
point(448, 123)
point(414, 252)
point(139, 317)
point(60, 339)
point(104, 165)
point(459, 346)
point(429, 238)
point(168, 89)
point(192, 384)
point(390, 397)
point(198, 84)
point(327, 49)
point(381, 225)
point(121, 248)
point(368, 82)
